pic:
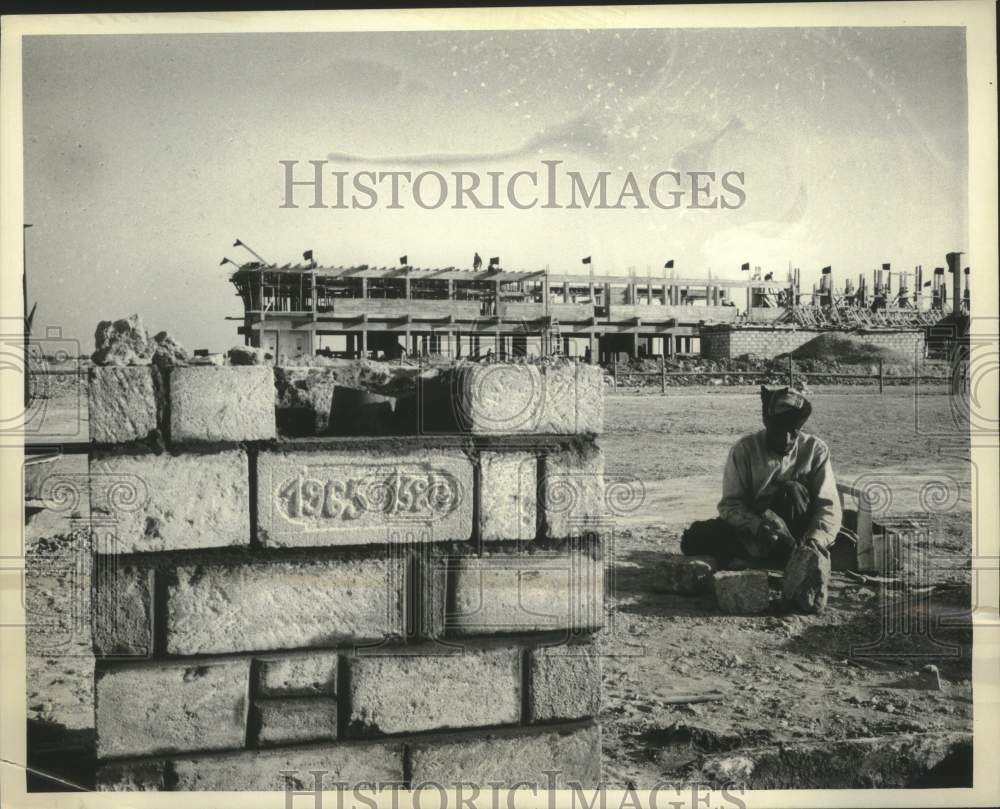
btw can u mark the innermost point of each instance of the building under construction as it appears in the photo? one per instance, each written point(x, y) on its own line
point(385, 312)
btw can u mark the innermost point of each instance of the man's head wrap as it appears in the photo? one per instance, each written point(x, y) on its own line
point(786, 403)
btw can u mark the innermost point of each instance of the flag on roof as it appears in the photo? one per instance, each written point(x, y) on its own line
point(669, 265)
point(745, 266)
point(403, 260)
point(585, 260)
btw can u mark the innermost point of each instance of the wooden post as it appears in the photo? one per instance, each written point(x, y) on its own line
point(663, 374)
point(791, 370)
point(614, 371)
point(881, 375)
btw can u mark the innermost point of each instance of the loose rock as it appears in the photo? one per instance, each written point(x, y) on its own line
point(742, 592)
point(686, 575)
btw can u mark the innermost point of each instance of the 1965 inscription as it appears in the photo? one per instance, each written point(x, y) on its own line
point(431, 495)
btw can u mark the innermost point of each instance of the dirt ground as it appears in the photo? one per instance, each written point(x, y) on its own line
point(786, 679)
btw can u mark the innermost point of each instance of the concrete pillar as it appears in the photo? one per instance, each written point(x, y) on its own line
point(594, 348)
point(566, 295)
point(364, 342)
point(955, 267)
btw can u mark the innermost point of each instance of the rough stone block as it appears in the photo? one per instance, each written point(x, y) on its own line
point(742, 592)
point(283, 605)
point(574, 399)
point(166, 708)
point(686, 575)
point(298, 676)
point(507, 495)
point(501, 398)
point(261, 770)
point(565, 682)
point(209, 403)
point(125, 403)
point(122, 609)
point(171, 502)
point(342, 498)
point(405, 694)
point(289, 721)
point(536, 592)
point(514, 398)
point(573, 492)
point(572, 757)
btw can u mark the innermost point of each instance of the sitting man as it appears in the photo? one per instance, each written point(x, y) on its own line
point(778, 490)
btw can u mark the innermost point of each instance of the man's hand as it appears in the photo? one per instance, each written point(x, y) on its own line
point(776, 526)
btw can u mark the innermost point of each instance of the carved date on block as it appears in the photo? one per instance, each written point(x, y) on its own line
point(309, 499)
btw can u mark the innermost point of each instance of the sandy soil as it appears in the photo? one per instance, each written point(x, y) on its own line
point(786, 678)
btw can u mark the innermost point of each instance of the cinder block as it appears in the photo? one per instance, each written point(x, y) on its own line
point(294, 720)
point(742, 592)
point(512, 398)
point(565, 682)
point(342, 498)
point(122, 609)
point(567, 757)
point(507, 495)
point(125, 403)
point(573, 493)
point(298, 676)
point(685, 575)
point(536, 592)
point(261, 770)
point(406, 694)
point(284, 605)
point(171, 502)
point(231, 403)
point(164, 708)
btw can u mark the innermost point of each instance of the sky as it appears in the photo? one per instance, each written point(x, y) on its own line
point(146, 156)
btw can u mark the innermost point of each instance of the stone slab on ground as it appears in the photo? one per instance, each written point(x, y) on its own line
point(165, 708)
point(686, 575)
point(742, 592)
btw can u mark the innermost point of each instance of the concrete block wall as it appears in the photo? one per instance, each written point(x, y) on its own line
point(724, 342)
point(395, 609)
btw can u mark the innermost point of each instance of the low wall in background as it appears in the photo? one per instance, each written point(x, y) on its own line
point(724, 342)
